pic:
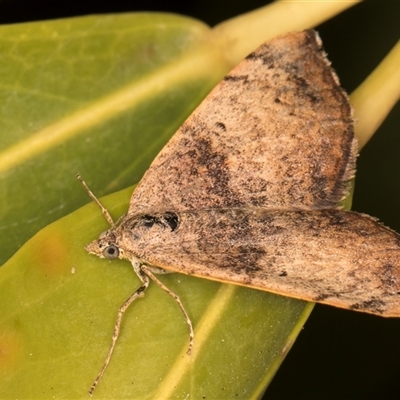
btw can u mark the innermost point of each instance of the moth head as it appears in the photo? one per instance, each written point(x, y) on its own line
point(106, 246)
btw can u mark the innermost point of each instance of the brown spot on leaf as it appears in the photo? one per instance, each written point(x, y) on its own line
point(10, 349)
point(51, 257)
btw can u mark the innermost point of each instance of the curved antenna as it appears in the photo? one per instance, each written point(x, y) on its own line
point(96, 200)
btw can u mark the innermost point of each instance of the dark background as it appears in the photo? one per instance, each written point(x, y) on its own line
point(339, 354)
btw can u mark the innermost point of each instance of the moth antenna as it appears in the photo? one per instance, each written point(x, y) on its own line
point(96, 200)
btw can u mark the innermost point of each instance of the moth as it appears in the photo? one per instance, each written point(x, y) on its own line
point(248, 191)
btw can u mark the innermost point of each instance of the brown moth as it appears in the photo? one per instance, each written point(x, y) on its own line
point(248, 192)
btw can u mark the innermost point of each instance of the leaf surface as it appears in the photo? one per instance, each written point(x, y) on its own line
point(101, 95)
point(59, 307)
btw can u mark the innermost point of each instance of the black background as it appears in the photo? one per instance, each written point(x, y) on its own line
point(339, 354)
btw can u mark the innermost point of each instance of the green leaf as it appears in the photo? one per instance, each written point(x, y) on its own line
point(59, 307)
point(78, 92)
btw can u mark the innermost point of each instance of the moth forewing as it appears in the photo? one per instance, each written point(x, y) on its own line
point(327, 256)
point(277, 132)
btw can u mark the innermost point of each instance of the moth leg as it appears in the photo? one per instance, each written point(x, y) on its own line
point(117, 327)
point(156, 270)
point(149, 272)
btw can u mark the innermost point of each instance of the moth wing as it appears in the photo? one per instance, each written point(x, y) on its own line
point(340, 258)
point(275, 133)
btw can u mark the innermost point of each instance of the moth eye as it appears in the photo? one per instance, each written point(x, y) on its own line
point(111, 252)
